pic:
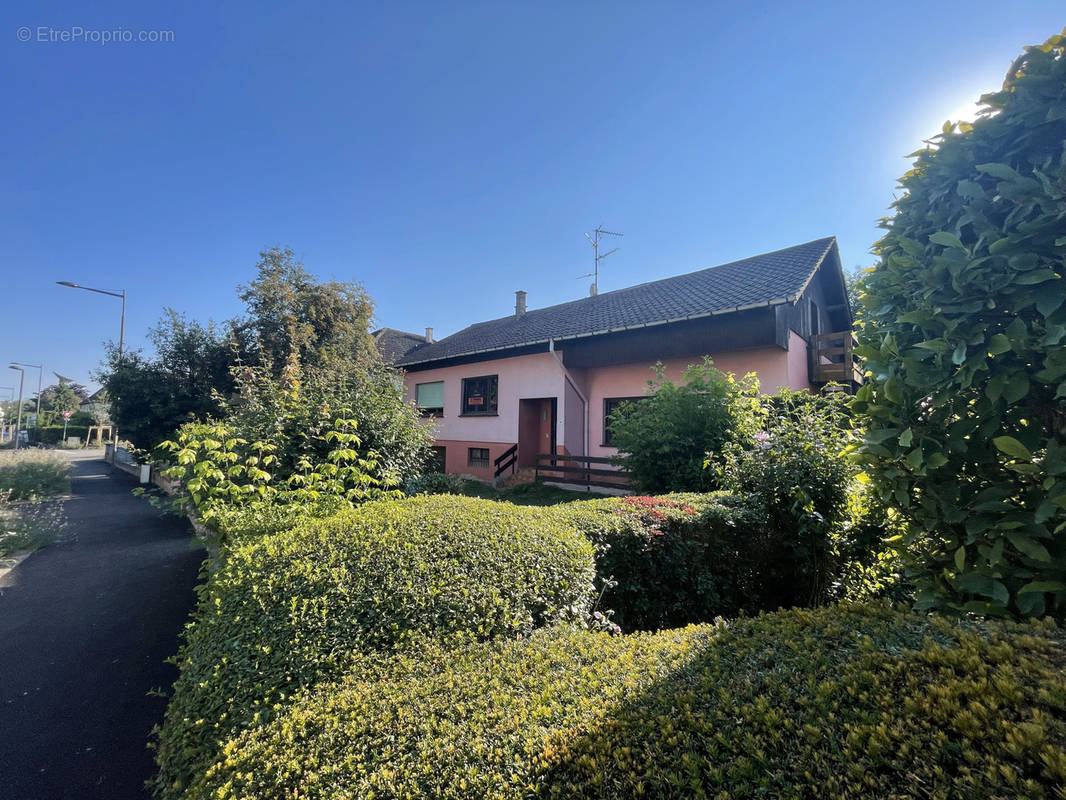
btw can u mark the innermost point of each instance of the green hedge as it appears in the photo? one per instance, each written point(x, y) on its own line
point(53, 434)
point(684, 558)
point(835, 703)
point(289, 610)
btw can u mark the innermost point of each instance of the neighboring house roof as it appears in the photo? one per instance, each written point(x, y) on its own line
point(764, 280)
point(394, 345)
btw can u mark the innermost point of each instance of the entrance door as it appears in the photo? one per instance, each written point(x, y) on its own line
point(536, 429)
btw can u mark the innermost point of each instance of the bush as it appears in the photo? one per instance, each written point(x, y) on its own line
point(53, 434)
point(664, 438)
point(663, 562)
point(33, 475)
point(834, 703)
point(435, 483)
point(796, 480)
point(964, 326)
point(292, 609)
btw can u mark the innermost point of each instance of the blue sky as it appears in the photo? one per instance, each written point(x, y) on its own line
point(446, 154)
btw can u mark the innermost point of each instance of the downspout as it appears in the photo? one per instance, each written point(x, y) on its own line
point(584, 400)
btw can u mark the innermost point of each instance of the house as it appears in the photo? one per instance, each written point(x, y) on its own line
point(543, 381)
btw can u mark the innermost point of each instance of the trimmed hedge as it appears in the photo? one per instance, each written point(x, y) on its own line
point(289, 610)
point(834, 703)
point(679, 558)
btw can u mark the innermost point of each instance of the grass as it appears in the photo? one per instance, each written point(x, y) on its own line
point(526, 494)
point(28, 478)
point(27, 526)
point(33, 475)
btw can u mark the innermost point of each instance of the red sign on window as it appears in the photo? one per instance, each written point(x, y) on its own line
point(475, 401)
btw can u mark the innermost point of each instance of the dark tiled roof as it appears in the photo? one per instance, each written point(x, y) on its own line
point(394, 345)
point(768, 279)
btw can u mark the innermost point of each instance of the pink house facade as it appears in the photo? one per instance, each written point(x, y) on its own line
point(543, 381)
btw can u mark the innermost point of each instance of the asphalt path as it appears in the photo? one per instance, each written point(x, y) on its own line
point(86, 627)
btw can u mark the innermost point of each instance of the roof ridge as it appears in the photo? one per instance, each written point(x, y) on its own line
point(829, 239)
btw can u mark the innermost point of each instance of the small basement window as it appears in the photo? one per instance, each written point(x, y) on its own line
point(478, 457)
point(429, 397)
point(480, 396)
point(610, 405)
point(438, 459)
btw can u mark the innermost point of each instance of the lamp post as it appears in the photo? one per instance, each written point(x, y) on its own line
point(121, 331)
point(120, 294)
point(40, 371)
point(18, 424)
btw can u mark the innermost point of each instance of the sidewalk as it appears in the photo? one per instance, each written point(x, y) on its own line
point(85, 628)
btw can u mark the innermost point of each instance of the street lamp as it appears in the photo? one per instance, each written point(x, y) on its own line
point(18, 424)
point(121, 294)
point(40, 371)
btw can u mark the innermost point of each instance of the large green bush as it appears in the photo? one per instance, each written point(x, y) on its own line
point(663, 562)
point(289, 610)
point(796, 479)
point(835, 703)
point(964, 337)
point(664, 438)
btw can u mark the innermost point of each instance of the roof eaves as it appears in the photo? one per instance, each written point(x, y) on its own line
point(777, 302)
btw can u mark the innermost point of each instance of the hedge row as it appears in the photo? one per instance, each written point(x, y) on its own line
point(290, 610)
point(834, 703)
point(667, 561)
point(682, 558)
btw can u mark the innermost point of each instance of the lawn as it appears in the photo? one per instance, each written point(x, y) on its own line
point(526, 494)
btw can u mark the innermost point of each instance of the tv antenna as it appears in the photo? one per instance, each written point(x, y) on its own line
point(594, 240)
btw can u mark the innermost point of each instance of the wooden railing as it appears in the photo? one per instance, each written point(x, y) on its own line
point(506, 461)
point(554, 468)
point(832, 359)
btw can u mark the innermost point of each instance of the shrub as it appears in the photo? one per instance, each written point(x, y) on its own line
point(964, 326)
point(667, 561)
point(834, 703)
point(53, 434)
point(664, 438)
point(33, 475)
point(289, 610)
point(435, 483)
point(795, 479)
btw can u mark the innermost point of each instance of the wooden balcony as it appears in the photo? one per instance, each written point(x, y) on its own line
point(832, 360)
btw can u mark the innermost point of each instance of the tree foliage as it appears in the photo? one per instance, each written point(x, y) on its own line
point(290, 313)
point(963, 335)
point(151, 396)
point(663, 439)
point(59, 397)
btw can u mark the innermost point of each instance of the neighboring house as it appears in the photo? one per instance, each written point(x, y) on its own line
point(98, 405)
point(545, 380)
point(394, 345)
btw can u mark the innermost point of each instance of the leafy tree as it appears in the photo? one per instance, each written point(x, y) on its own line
point(150, 397)
point(664, 439)
point(963, 334)
point(291, 313)
point(62, 396)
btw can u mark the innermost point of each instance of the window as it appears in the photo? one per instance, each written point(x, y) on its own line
point(480, 396)
point(437, 459)
point(429, 397)
point(610, 405)
point(478, 457)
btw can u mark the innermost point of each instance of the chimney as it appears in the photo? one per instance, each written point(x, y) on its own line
point(429, 335)
point(519, 303)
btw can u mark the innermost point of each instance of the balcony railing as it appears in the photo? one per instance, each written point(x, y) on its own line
point(832, 359)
